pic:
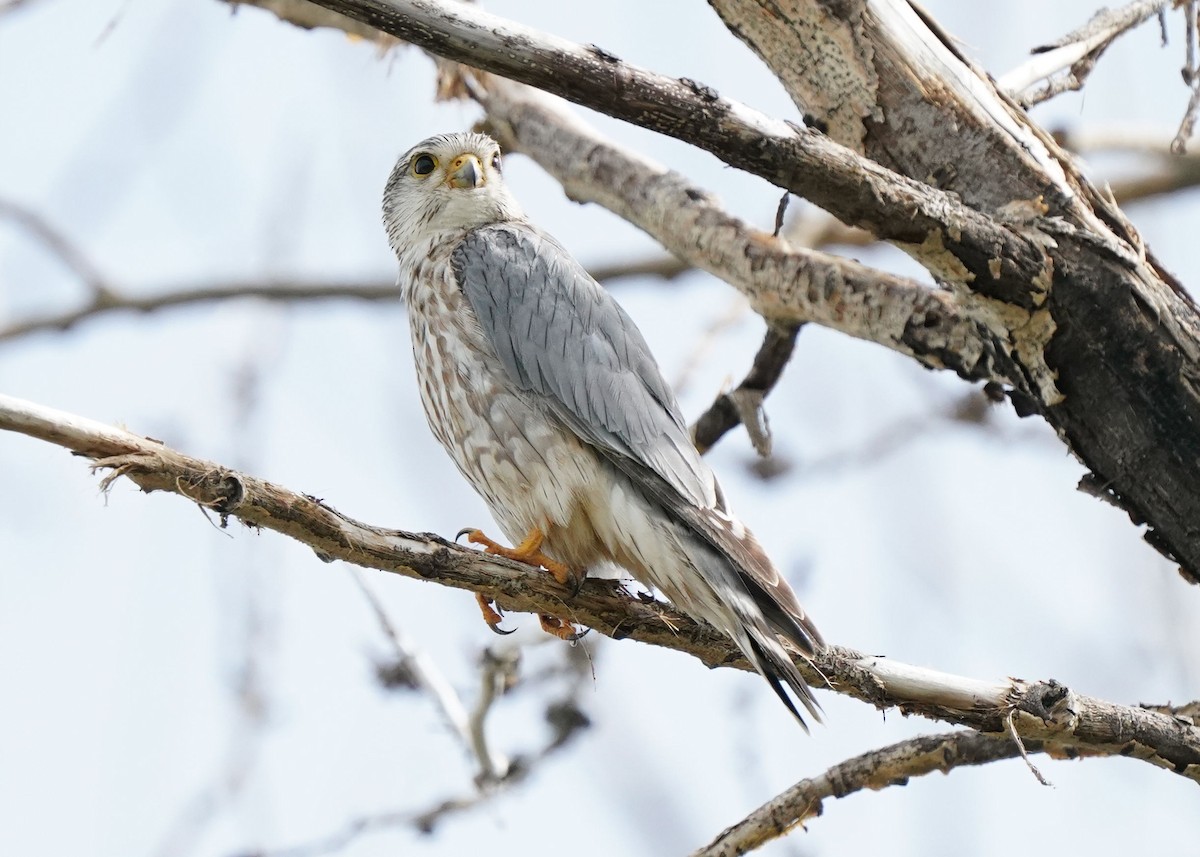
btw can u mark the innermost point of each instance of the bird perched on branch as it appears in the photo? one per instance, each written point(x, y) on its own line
point(548, 399)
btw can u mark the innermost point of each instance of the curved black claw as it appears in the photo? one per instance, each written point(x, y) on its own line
point(464, 531)
point(578, 635)
point(496, 629)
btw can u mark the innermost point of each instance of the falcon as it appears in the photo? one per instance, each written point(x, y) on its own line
point(548, 399)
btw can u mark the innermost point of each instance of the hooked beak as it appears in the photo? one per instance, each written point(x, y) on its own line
point(466, 172)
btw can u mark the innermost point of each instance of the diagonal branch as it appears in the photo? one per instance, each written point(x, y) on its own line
point(785, 284)
point(1076, 53)
point(413, 668)
point(1066, 722)
point(63, 249)
point(876, 770)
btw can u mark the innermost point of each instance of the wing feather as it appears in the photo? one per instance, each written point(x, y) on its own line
point(563, 339)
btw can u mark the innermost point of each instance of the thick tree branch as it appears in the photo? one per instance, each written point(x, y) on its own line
point(1119, 335)
point(1046, 711)
point(785, 284)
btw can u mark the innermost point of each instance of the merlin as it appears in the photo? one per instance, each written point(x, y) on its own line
point(548, 399)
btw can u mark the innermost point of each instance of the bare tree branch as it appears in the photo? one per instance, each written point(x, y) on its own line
point(1045, 711)
point(1191, 76)
point(284, 291)
point(63, 249)
point(1076, 53)
point(889, 766)
point(111, 300)
point(414, 668)
point(1159, 170)
point(785, 284)
point(744, 404)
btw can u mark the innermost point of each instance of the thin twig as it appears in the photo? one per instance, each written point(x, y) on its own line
point(497, 672)
point(112, 300)
point(63, 249)
point(1191, 76)
point(1160, 170)
point(285, 291)
point(734, 312)
point(419, 670)
point(563, 716)
point(1009, 721)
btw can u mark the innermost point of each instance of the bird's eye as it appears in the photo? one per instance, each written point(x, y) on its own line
point(423, 165)
point(496, 162)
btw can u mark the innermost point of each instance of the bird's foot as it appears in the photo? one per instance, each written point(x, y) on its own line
point(529, 552)
point(491, 615)
point(558, 628)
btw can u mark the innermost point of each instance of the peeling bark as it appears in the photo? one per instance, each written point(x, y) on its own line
point(1110, 344)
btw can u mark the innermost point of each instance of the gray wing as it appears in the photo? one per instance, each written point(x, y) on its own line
point(562, 338)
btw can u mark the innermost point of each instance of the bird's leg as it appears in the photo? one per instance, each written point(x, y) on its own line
point(528, 551)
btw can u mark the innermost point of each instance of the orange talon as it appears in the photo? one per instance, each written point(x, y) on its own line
point(558, 628)
point(528, 552)
point(490, 614)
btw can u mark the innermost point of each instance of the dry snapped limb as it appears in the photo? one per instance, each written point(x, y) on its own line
point(744, 404)
point(1064, 64)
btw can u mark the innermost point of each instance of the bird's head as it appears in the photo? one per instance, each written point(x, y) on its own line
point(448, 182)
